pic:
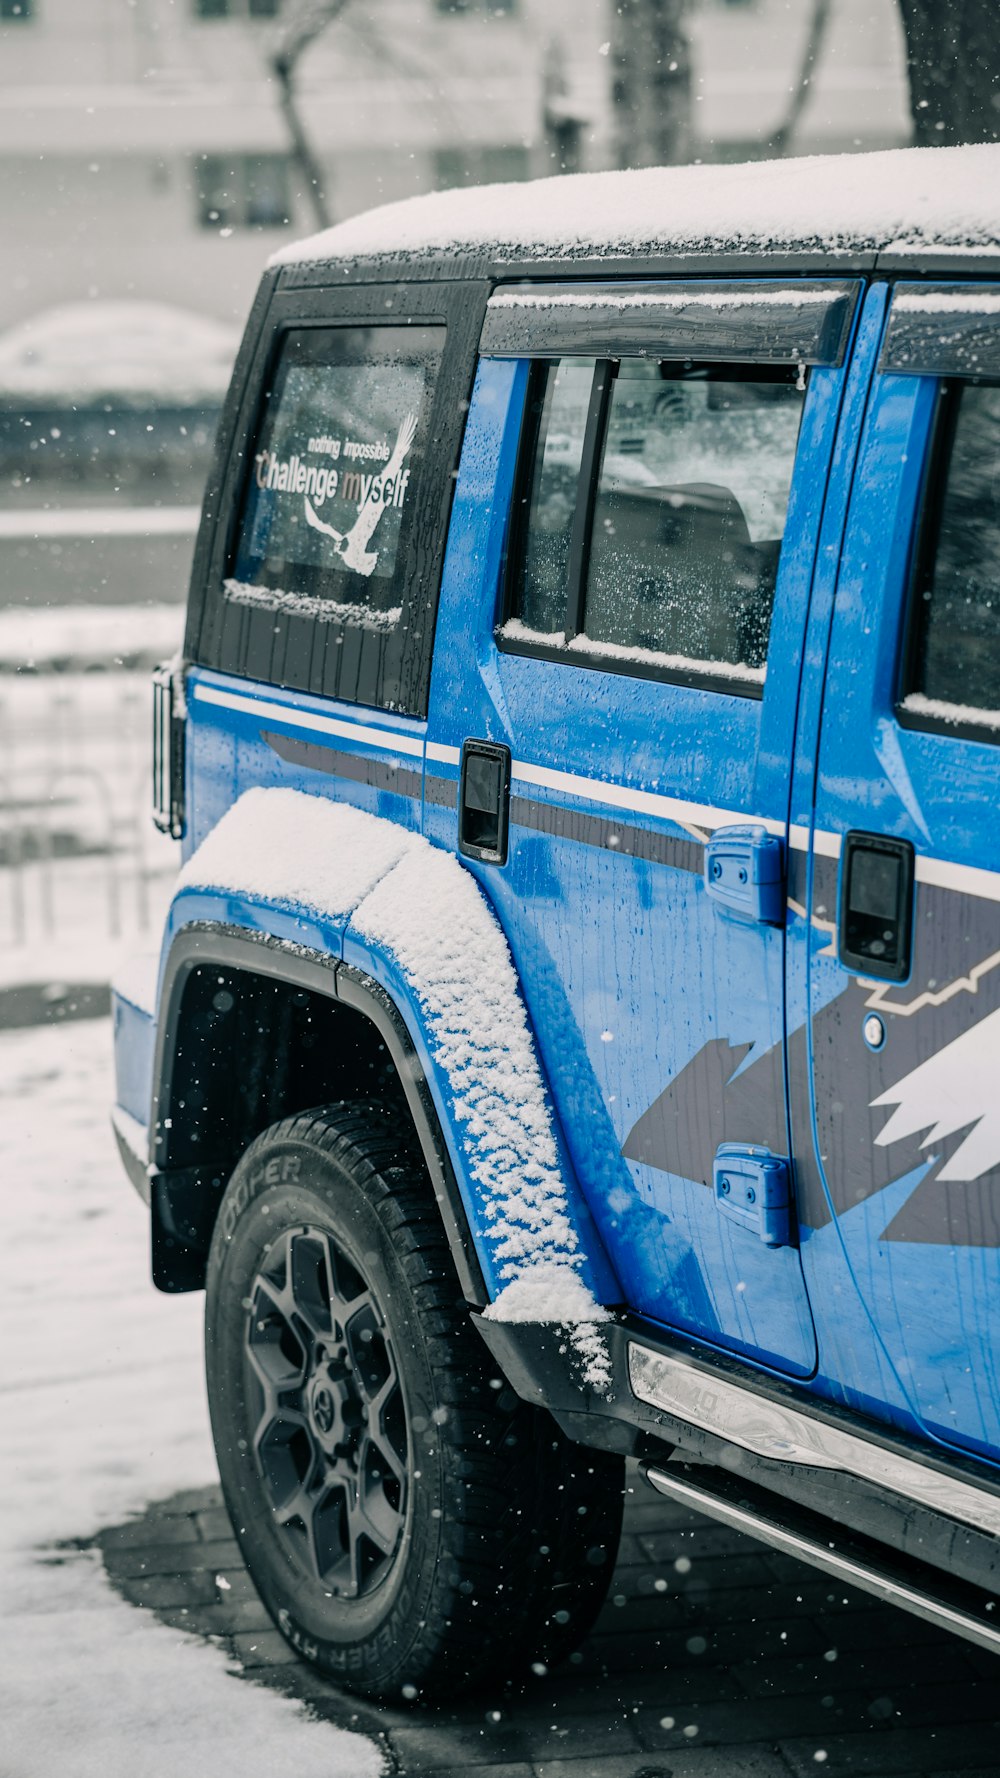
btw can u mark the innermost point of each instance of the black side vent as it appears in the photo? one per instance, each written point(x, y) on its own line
point(168, 750)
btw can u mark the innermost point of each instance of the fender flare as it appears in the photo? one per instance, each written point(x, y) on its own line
point(259, 953)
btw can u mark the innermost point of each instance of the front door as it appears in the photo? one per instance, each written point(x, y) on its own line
point(644, 675)
point(904, 1031)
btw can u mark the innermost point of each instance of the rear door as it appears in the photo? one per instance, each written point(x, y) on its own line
point(666, 452)
point(904, 1029)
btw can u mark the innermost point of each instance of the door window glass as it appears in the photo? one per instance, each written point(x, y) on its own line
point(334, 474)
point(561, 417)
point(954, 667)
point(676, 560)
point(690, 512)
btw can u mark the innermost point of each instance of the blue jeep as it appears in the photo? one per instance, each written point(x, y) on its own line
point(577, 1033)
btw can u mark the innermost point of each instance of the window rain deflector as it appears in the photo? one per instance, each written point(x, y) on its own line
point(943, 331)
point(792, 322)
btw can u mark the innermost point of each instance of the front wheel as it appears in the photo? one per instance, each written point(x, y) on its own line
point(410, 1524)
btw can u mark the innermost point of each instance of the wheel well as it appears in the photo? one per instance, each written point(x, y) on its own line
point(252, 1033)
point(249, 1049)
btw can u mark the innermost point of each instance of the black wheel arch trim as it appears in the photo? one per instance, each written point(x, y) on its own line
point(184, 1199)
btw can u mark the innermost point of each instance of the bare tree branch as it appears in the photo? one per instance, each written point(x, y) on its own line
point(305, 24)
point(779, 141)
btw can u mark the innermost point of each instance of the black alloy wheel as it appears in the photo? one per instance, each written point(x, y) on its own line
point(412, 1526)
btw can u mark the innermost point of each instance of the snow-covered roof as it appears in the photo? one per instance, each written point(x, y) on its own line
point(900, 203)
point(136, 351)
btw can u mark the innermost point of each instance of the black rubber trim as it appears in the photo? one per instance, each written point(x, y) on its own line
point(788, 262)
point(721, 683)
point(581, 532)
point(441, 792)
point(315, 757)
point(366, 996)
point(260, 954)
point(538, 1362)
point(604, 832)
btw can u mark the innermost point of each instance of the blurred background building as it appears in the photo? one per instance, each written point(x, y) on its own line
point(144, 152)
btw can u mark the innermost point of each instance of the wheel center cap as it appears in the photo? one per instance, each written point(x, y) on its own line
point(323, 1409)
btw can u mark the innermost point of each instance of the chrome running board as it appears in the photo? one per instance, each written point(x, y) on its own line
point(775, 1430)
point(712, 1494)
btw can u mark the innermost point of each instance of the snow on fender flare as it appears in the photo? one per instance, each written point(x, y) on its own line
point(418, 920)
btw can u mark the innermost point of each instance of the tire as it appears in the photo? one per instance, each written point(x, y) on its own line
point(412, 1527)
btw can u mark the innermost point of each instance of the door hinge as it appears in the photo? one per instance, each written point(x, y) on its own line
point(745, 873)
point(754, 1188)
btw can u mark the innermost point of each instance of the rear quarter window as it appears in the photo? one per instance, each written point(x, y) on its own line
point(317, 591)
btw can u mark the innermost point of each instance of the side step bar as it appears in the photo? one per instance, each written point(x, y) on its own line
point(854, 1560)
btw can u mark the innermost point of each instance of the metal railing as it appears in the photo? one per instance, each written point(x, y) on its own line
point(80, 861)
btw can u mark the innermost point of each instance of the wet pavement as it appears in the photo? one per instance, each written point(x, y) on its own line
point(713, 1658)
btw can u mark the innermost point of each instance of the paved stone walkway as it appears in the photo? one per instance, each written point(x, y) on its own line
point(714, 1658)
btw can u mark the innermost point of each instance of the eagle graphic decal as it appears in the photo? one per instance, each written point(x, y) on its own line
point(352, 545)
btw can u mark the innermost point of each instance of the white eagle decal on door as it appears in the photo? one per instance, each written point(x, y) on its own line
point(955, 1090)
point(352, 545)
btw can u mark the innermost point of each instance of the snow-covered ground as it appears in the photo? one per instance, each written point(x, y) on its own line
point(105, 1411)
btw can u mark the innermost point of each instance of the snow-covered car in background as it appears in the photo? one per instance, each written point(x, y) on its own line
point(577, 1025)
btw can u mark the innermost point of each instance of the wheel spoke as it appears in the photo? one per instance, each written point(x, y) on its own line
point(310, 1283)
point(391, 1463)
point(367, 1525)
point(278, 1414)
point(347, 1287)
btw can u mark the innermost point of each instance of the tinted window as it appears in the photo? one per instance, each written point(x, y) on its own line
point(677, 560)
point(955, 658)
point(335, 471)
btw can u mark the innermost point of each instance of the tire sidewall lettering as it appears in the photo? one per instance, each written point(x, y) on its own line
point(278, 1170)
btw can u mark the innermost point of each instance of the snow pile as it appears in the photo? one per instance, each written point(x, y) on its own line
point(660, 299)
point(136, 351)
point(420, 905)
point(297, 850)
point(942, 711)
point(342, 611)
point(105, 1411)
point(515, 631)
point(83, 524)
point(901, 200)
point(976, 300)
